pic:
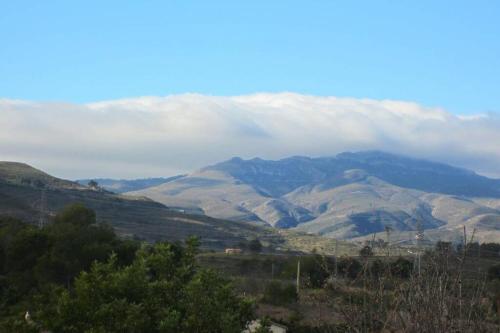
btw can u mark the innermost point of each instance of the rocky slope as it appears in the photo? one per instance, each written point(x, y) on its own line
point(350, 195)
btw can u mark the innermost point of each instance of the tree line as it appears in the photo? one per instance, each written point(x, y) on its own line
point(76, 275)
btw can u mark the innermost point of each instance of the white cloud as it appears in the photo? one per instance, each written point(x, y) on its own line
point(151, 136)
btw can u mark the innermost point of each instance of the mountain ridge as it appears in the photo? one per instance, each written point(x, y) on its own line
point(372, 162)
point(127, 185)
point(338, 196)
point(31, 194)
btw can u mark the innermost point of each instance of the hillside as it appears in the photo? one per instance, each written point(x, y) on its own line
point(127, 185)
point(347, 196)
point(21, 188)
point(22, 174)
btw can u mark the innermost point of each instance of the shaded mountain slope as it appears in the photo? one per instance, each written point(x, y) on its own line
point(21, 190)
point(347, 196)
point(277, 178)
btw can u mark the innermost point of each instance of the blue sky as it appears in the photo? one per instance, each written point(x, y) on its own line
point(444, 54)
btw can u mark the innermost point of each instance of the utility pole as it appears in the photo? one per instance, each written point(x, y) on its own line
point(272, 271)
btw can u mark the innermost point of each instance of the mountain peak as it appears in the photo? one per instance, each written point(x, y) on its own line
point(348, 195)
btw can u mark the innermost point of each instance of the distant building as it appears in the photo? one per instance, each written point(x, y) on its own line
point(233, 251)
point(274, 327)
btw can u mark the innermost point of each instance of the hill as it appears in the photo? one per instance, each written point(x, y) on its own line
point(21, 188)
point(348, 196)
point(127, 185)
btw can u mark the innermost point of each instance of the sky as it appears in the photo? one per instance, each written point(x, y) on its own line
point(436, 53)
point(59, 59)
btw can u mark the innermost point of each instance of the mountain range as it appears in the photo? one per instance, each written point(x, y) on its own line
point(348, 196)
point(33, 196)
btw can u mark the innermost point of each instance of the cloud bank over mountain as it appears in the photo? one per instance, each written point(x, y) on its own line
point(162, 136)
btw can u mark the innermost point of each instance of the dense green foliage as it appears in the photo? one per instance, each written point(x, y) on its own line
point(316, 270)
point(75, 275)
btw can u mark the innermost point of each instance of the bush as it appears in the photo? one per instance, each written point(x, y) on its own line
point(444, 248)
point(366, 251)
point(255, 246)
point(378, 268)
point(401, 268)
point(494, 272)
point(316, 270)
point(349, 267)
point(277, 293)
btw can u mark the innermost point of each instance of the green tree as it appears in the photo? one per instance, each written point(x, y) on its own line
point(161, 291)
point(401, 267)
point(317, 269)
point(76, 214)
point(349, 267)
point(255, 246)
point(35, 264)
point(76, 242)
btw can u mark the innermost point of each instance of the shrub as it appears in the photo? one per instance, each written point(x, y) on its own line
point(255, 246)
point(316, 270)
point(278, 293)
point(377, 268)
point(349, 267)
point(366, 251)
point(401, 268)
point(494, 272)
